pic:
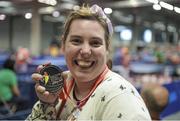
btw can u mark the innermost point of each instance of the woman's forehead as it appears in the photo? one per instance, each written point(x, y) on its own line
point(85, 21)
point(87, 27)
point(86, 24)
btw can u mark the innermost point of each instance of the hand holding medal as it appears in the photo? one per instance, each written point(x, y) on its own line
point(49, 83)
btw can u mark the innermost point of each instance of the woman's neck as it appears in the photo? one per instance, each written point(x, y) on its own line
point(81, 90)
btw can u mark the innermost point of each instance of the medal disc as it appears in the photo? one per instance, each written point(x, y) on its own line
point(52, 78)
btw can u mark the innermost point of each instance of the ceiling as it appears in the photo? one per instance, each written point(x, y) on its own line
point(123, 10)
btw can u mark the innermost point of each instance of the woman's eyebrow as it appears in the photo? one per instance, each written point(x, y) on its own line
point(97, 38)
point(75, 36)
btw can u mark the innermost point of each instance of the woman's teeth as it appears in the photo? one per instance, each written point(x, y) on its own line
point(84, 63)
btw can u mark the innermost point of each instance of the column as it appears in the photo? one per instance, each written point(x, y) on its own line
point(35, 41)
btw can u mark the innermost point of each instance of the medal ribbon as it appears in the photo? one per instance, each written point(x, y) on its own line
point(81, 103)
point(97, 82)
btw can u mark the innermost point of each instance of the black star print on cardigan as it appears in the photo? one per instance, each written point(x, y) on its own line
point(143, 109)
point(108, 79)
point(120, 115)
point(132, 91)
point(103, 98)
point(122, 87)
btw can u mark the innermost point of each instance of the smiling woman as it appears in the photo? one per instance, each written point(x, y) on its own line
point(85, 50)
point(91, 91)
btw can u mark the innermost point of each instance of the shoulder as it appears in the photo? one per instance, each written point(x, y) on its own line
point(116, 87)
point(8, 73)
point(121, 96)
point(114, 83)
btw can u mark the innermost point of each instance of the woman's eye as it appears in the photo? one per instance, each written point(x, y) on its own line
point(76, 41)
point(96, 43)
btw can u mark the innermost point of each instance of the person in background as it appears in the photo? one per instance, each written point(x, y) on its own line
point(9, 91)
point(124, 58)
point(22, 60)
point(159, 55)
point(54, 47)
point(156, 99)
point(91, 91)
point(8, 83)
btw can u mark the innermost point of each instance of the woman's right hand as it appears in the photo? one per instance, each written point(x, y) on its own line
point(41, 92)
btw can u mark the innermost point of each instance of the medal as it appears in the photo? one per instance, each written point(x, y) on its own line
point(52, 78)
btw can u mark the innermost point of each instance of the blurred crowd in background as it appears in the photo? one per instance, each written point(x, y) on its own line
point(158, 64)
point(142, 66)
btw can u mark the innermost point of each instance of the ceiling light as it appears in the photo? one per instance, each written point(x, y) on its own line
point(2, 16)
point(28, 15)
point(56, 14)
point(126, 34)
point(177, 9)
point(52, 2)
point(134, 3)
point(147, 36)
point(156, 7)
point(41, 1)
point(49, 2)
point(166, 5)
point(108, 10)
point(153, 1)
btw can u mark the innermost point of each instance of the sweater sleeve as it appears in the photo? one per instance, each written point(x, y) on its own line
point(41, 111)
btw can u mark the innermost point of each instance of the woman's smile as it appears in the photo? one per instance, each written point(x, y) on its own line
point(84, 63)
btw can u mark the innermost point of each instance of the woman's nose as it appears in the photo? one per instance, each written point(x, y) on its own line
point(85, 50)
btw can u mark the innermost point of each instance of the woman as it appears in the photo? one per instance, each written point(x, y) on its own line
point(92, 91)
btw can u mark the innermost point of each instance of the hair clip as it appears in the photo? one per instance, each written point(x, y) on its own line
point(98, 10)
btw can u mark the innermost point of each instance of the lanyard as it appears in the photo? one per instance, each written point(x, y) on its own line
point(80, 104)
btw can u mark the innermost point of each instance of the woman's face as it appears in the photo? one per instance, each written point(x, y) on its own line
point(85, 50)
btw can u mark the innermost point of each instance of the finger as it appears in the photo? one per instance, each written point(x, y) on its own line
point(39, 68)
point(42, 66)
point(36, 77)
point(46, 93)
point(40, 89)
point(47, 63)
point(41, 92)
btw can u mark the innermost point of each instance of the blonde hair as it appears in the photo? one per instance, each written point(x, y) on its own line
point(85, 13)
